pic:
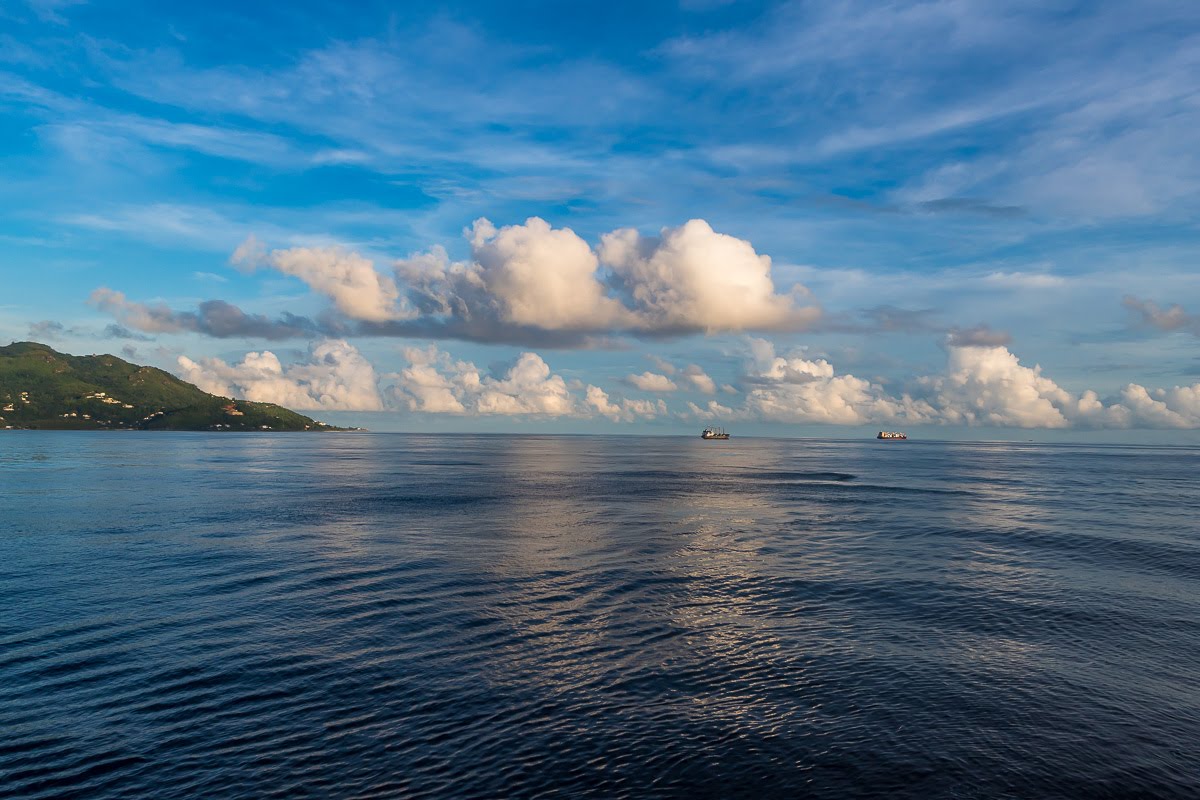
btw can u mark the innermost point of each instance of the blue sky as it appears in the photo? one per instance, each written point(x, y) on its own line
point(980, 218)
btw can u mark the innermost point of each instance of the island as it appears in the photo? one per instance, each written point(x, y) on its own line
point(43, 389)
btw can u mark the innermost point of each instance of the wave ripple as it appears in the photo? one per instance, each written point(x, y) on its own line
point(429, 616)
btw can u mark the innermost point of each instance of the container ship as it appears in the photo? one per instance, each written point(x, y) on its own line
point(891, 435)
point(714, 433)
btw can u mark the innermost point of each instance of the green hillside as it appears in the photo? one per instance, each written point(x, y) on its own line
point(42, 388)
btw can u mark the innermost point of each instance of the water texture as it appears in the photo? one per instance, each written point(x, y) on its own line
point(360, 615)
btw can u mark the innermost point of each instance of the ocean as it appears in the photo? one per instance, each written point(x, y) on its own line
point(387, 615)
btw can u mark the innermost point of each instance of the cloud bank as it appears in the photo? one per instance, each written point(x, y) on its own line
point(984, 385)
point(529, 283)
point(535, 278)
point(435, 383)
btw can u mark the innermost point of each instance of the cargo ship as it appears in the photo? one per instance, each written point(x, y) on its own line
point(714, 433)
point(891, 435)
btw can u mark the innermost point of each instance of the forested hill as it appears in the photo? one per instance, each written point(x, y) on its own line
point(42, 388)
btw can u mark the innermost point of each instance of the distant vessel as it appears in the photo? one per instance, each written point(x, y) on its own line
point(714, 433)
point(891, 435)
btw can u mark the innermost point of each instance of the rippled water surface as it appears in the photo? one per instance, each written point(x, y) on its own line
point(360, 615)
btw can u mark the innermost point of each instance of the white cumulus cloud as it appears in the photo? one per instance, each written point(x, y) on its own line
point(1138, 407)
point(983, 384)
point(651, 382)
point(543, 277)
point(795, 389)
point(989, 386)
point(527, 388)
point(149, 318)
point(535, 283)
point(357, 289)
point(699, 379)
point(530, 276)
point(336, 377)
point(435, 383)
point(623, 409)
point(692, 278)
point(664, 366)
point(711, 410)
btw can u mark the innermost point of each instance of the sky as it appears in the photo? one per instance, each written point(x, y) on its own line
point(956, 218)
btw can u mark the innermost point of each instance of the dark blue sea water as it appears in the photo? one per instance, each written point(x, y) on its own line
point(219, 616)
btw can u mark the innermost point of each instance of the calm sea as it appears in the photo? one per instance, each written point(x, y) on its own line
point(361, 615)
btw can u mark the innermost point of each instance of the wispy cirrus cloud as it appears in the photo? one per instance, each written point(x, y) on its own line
point(1069, 114)
point(53, 10)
